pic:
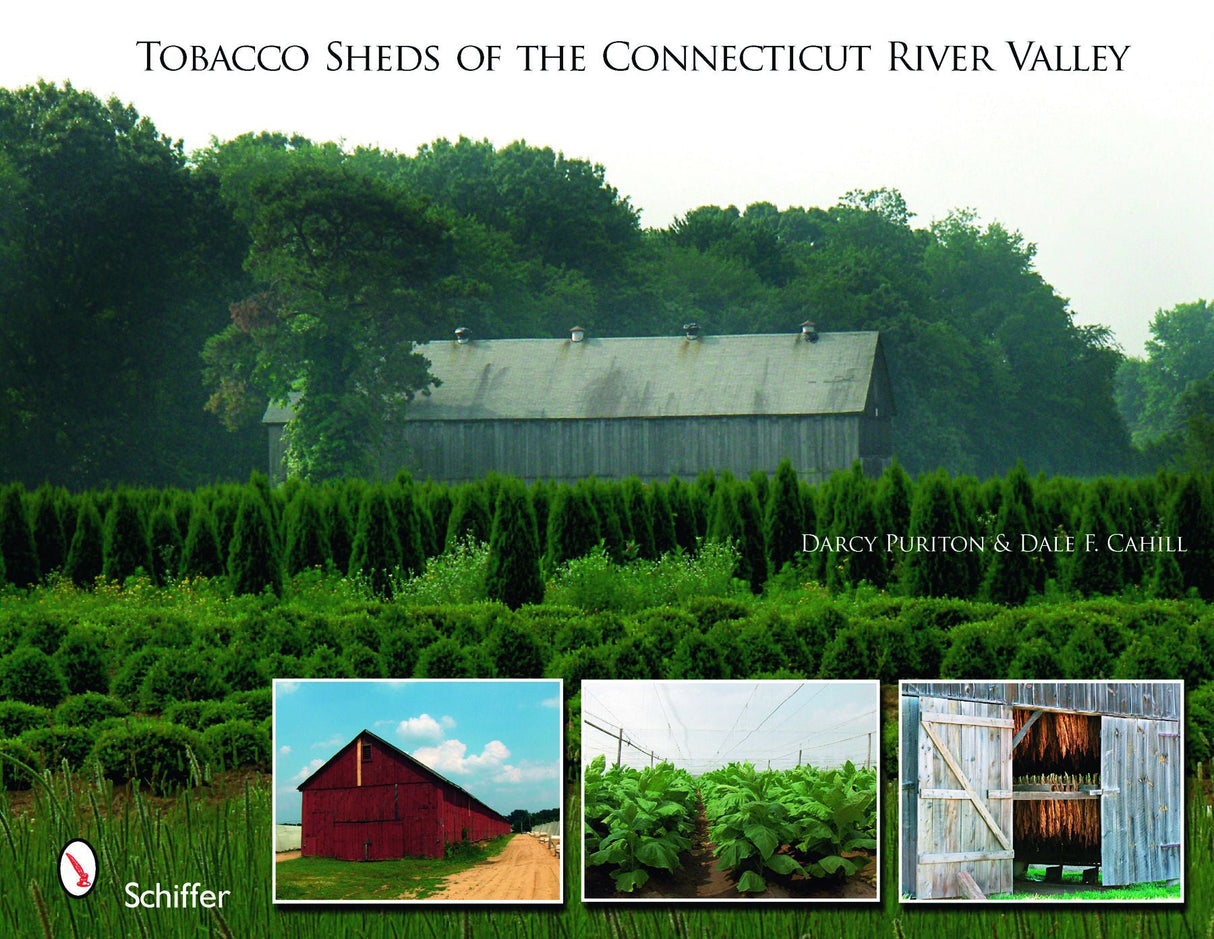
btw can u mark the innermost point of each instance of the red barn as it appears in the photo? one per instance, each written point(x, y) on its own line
point(373, 802)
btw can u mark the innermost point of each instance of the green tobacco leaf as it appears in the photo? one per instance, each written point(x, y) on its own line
point(833, 865)
point(751, 883)
point(656, 854)
point(783, 864)
point(628, 881)
point(764, 839)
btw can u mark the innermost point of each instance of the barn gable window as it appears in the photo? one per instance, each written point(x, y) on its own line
point(366, 751)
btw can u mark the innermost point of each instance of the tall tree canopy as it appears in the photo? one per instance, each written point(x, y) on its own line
point(113, 257)
point(1167, 398)
point(345, 264)
point(313, 269)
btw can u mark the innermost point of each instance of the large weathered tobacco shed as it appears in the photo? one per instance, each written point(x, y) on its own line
point(650, 406)
point(996, 775)
point(373, 802)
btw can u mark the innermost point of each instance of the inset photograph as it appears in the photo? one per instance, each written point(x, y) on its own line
point(417, 791)
point(730, 790)
point(1041, 790)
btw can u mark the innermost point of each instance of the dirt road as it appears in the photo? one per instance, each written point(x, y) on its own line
point(525, 870)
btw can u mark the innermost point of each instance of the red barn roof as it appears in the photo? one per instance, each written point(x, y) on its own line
point(414, 766)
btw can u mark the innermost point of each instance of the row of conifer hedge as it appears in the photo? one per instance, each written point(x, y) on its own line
point(254, 535)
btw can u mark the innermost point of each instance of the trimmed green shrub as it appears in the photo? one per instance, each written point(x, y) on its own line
point(445, 658)
point(695, 656)
point(154, 752)
point(514, 652)
point(16, 717)
point(53, 745)
point(258, 701)
point(83, 658)
point(188, 676)
point(30, 675)
point(89, 708)
point(238, 743)
point(18, 765)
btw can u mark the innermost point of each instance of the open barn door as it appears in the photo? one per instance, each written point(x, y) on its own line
point(964, 803)
point(1141, 805)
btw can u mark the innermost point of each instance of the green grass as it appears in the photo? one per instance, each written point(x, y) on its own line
point(315, 878)
point(1155, 891)
point(222, 839)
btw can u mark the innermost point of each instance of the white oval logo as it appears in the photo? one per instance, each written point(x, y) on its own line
point(78, 868)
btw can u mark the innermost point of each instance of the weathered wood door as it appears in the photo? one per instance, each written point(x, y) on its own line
point(1142, 801)
point(964, 803)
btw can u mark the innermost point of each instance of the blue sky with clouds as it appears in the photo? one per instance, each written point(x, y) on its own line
point(500, 740)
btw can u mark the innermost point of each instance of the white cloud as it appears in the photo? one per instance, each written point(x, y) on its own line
point(286, 687)
point(285, 751)
point(526, 773)
point(451, 757)
point(422, 727)
point(308, 770)
point(553, 702)
point(335, 741)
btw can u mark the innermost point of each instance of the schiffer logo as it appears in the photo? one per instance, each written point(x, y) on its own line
point(78, 868)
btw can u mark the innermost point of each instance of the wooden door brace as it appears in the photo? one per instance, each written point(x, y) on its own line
point(983, 811)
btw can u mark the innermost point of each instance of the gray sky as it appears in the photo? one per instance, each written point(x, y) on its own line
point(703, 725)
point(1107, 172)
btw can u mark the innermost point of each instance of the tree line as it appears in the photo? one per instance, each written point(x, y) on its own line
point(153, 301)
point(937, 536)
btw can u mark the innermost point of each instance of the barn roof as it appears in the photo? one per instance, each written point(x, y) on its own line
point(652, 376)
point(403, 755)
point(1157, 699)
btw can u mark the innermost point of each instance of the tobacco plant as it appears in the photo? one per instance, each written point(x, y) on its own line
point(637, 820)
point(803, 821)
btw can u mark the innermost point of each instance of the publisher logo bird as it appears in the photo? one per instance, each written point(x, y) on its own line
point(77, 868)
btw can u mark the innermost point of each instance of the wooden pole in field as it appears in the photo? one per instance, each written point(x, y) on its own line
point(619, 748)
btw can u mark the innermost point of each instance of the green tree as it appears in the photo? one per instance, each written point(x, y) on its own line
point(254, 563)
point(376, 553)
point(513, 575)
point(201, 553)
point(127, 546)
point(573, 526)
point(785, 518)
point(345, 264)
point(86, 554)
point(17, 539)
point(112, 257)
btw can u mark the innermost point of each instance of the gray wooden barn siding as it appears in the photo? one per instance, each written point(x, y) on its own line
point(1130, 699)
point(651, 448)
point(1141, 823)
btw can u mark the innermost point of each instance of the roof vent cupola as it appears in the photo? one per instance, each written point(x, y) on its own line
point(577, 334)
point(809, 332)
point(691, 331)
point(463, 335)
